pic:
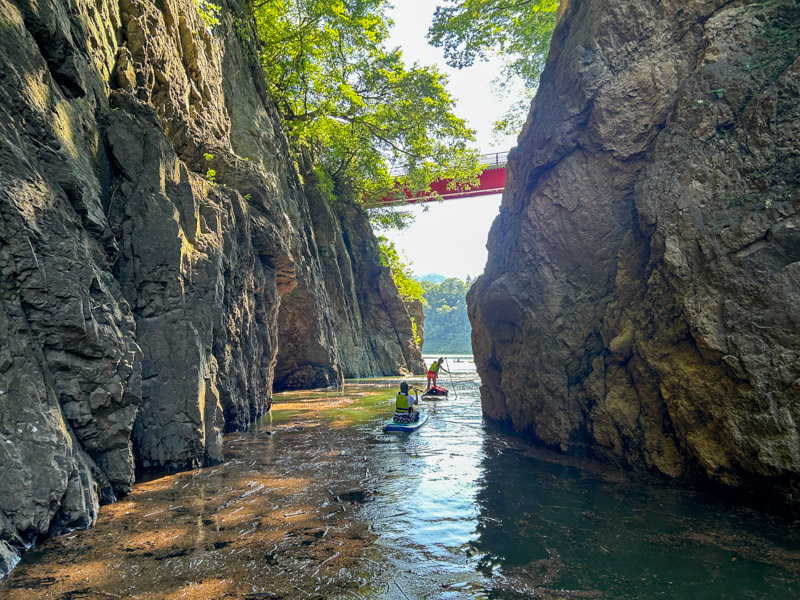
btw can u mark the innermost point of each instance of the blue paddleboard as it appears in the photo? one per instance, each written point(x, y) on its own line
point(406, 427)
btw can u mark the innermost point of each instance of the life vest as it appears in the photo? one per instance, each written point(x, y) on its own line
point(434, 368)
point(403, 405)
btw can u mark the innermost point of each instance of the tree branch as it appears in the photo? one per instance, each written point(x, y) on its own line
point(508, 6)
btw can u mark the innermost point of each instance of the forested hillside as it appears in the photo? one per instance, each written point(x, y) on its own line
point(447, 328)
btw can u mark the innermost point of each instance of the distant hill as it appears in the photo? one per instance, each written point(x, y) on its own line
point(447, 328)
point(432, 277)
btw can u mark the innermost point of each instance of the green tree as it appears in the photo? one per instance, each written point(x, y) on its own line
point(518, 31)
point(410, 289)
point(383, 219)
point(364, 114)
point(208, 12)
point(447, 326)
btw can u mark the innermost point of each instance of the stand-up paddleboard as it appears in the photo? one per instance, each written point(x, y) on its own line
point(435, 393)
point(405, 427)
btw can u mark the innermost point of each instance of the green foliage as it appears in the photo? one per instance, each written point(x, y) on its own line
point(211, 174)
point(208, 12)
point(447, 327)
point(325, 184)
point(719, 94)
point(517, 31)
point(360, 110)
point(409, 288)
point(417, 339)
point(383, 219)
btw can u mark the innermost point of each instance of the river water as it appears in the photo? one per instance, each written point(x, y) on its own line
point(316, 502)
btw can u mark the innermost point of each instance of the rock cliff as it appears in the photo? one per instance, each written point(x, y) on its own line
point(640, 299)
point(153, 230)
point(367, 330)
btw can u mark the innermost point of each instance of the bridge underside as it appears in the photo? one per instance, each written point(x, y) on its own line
point(491, 181)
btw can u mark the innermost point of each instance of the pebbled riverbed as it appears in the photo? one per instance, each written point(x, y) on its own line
point(316, 502)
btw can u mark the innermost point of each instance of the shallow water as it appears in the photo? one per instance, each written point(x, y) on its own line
point(317, 502)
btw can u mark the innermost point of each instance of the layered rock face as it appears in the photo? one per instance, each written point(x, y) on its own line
point(360, 326)
point(151, 219)
point(640, 300)
point(374, 329)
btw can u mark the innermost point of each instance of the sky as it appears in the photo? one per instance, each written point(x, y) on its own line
point(450, 238)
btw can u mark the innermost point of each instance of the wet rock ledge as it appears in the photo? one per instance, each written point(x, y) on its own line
point(640, 299)
point(159, 257)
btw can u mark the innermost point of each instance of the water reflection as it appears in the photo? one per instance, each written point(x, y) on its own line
point(431, 479)
point(551, 529)
point(317, 502)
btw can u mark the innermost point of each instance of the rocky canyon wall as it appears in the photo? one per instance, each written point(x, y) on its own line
point(153, 228)
point(640, 302)
point(368, 331)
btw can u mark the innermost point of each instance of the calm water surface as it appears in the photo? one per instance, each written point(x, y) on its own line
point(317, 502)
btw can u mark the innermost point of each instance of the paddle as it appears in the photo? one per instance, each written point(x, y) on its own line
point(416, 389)
point(453, 385)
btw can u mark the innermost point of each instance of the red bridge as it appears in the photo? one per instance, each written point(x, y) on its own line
point(492, 180)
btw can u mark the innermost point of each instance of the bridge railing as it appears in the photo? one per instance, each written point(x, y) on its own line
point(495, 159)
point(491, 160)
